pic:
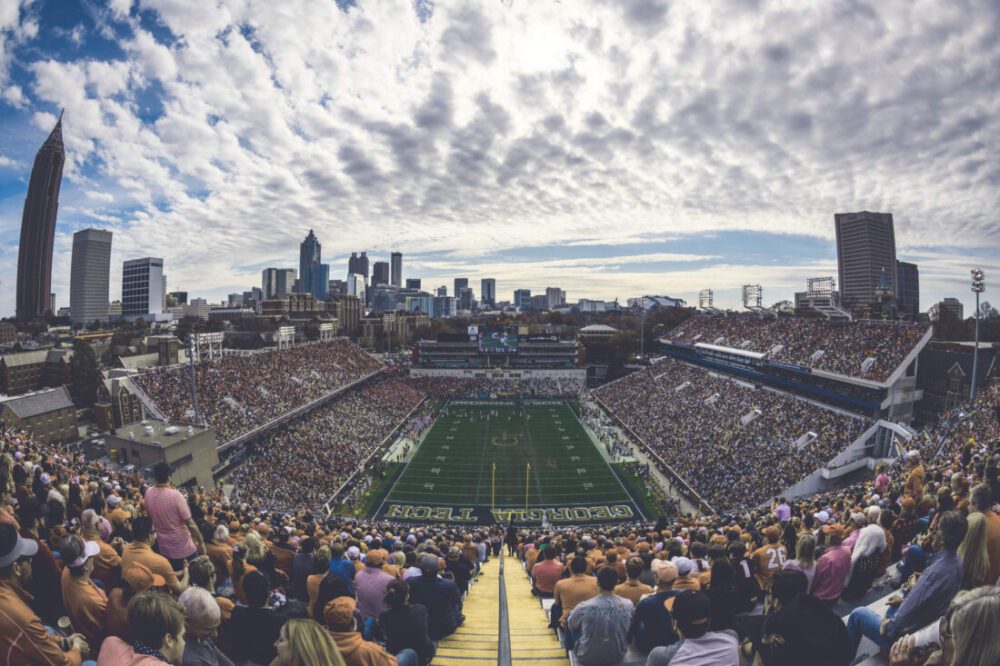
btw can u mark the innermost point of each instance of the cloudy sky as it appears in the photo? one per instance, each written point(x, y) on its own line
point(612, 148)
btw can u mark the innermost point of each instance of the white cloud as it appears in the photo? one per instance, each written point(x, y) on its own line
point(99, 196)
point(496, 126)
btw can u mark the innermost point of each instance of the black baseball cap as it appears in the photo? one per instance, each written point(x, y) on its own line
point(693, 612)
point(30, 510)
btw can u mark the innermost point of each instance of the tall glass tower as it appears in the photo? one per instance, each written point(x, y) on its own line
point(38, 228)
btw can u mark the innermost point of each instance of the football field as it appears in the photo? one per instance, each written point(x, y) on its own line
point(485, 462)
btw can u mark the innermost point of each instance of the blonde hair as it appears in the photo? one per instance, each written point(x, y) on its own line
point(973, 553)
point(975, 623)
point(311, 644)
point(805, 550)
point(256, 552)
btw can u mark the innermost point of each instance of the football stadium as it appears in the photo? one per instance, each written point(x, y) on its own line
point(491, 462)
point(751, 459)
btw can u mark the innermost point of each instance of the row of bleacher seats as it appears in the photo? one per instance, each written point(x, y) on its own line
point(239, 393)
point(841, 347)
point(708, 429)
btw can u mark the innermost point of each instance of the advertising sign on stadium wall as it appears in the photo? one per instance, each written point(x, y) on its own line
point(789, 366)
point(543, 338)
point(483, 515)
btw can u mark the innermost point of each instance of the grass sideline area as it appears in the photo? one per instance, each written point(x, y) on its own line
point(451, 476)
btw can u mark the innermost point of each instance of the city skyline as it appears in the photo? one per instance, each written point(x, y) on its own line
point(624, 149)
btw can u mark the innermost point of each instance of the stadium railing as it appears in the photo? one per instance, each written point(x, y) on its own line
point(328, 505)
point(147, 402)
point(689, 491)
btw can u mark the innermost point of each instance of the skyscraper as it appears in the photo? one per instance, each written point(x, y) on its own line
point(90, 275)
point(866, 244)
point(413, 283)
point(467, 299)
point(907, 288)
point(397, 268)
point(310, 257)
point(142, 286)
point(488, 292)
point(522, 298)
point(553, 297)
point(38, 228)
point(380, 273)
point(356, 286)
point(460, 284)
point(354, 264)
point(321, 282)
point(363, 265)
point(269, 282)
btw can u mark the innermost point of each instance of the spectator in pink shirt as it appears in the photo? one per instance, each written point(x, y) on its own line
point(881, 480)
point(177, 536)
point(833, 568)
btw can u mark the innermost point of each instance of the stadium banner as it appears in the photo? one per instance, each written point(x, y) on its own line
point(581, 514)
point(543, 338)
point(789, 366)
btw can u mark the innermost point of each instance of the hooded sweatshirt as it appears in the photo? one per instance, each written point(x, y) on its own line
point(358, 652)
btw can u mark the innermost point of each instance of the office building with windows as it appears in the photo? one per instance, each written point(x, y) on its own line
point(90, 276)
point(866, 245)
point(142, 286)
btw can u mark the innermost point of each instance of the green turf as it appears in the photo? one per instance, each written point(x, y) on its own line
point(454, 464)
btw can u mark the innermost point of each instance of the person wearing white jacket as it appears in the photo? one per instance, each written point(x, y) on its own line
point(866, 556)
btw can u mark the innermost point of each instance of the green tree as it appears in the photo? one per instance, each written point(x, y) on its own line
point(85, 375)
point(622, 347)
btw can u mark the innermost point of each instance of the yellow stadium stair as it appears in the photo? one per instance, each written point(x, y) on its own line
point(476, 641)
point(532, 643)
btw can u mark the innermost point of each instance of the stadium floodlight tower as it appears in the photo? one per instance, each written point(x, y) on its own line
point(978, 287)
point(194, 384)
point(642, 330)
point(706, 300)
point(753, 296)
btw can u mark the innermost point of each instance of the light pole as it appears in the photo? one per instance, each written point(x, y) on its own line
point(978, 287)
point(642, 330)
point(194, 385)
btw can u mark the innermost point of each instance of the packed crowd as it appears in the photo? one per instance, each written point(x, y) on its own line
point(96, 565)
point(301, 464)
point(846, 346)
point(127, 571)
point(693, 420)
point(239, 393)
point(774, 583)
point(476, 387)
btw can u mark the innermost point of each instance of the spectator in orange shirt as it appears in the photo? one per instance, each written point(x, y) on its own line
point(202, 573)
point(915, 481)
point(23, 638)
point(572, 591)
point(45, 575)
point(140, 550)
point(632, 589)
point(137, 578)
point(107, 563)
point(86, 604)
point(770, 557)
point(220, 549)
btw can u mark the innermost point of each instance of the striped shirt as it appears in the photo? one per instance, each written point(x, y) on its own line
point(169, 512)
